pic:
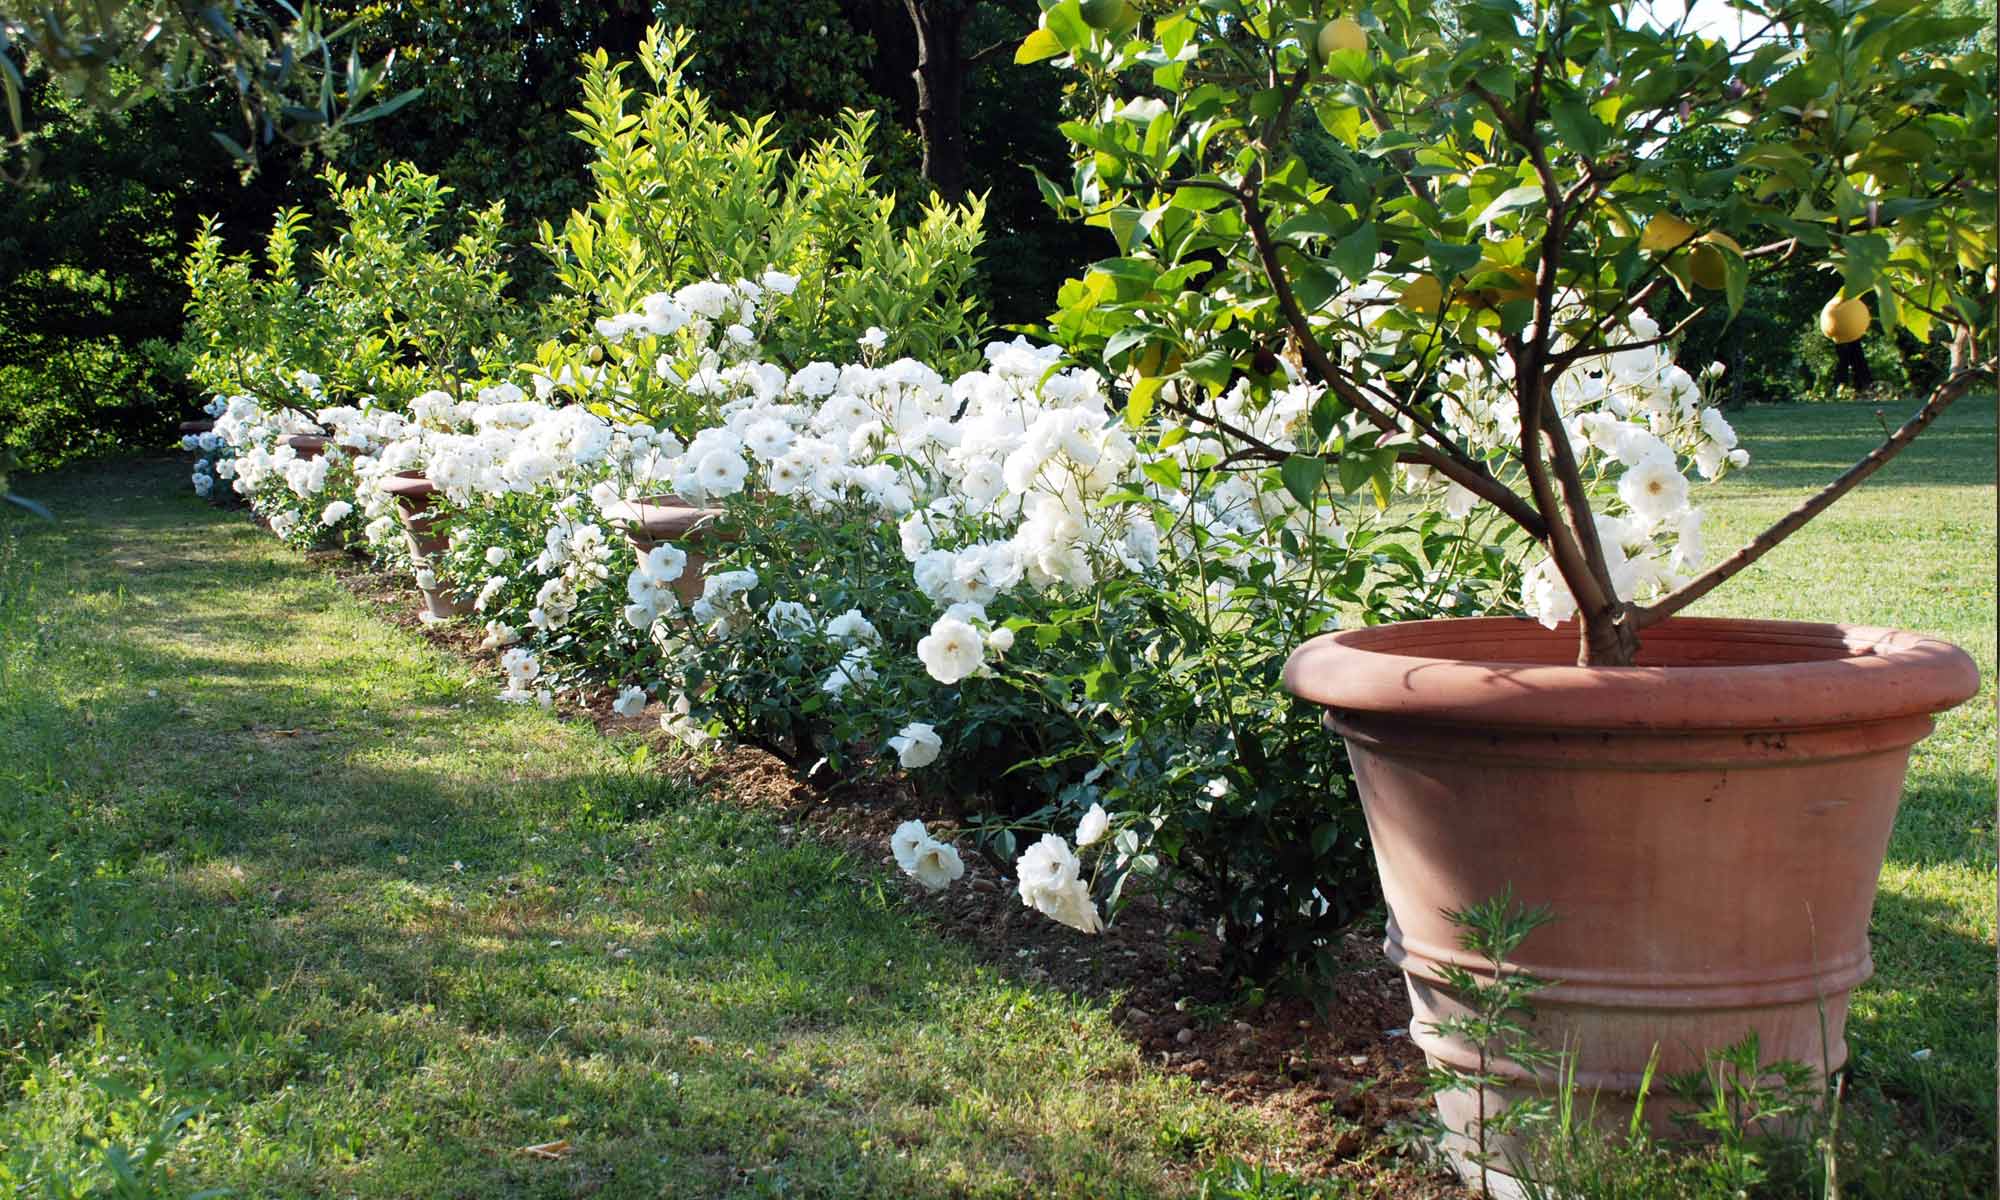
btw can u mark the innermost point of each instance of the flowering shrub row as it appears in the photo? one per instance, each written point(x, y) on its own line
point(1055, 594)
point(1052, 619)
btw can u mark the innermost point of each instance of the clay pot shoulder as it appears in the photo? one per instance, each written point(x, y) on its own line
point(1707, 826)
point(653, 520)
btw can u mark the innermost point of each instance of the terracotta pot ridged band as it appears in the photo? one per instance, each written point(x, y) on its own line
point(650, 521)
point(1707, 826)
point(424, 527)
point(306, 445)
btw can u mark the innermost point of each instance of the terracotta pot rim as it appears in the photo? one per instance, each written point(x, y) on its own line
point(1704, 673)
point(650, 520)
point(408, 485)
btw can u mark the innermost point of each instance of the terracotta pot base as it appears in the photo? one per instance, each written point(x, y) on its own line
point(1707, 827)
point(424, 528)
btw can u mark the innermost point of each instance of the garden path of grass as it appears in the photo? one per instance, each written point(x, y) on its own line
point(264, 855)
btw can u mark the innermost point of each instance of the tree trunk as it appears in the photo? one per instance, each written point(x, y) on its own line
point(940, 76)
point(1850, 364)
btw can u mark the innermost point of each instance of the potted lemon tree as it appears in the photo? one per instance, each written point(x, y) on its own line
point(1480, 228)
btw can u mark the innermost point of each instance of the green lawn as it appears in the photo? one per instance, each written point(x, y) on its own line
point(264, 856)
point(1912, 547)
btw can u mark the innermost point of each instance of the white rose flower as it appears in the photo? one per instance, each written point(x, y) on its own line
point(630, 703)
point(721, 473)
point(1072, 906)
point(917, 745)
point(906, 841)
point(497, 555)
point(852, 629)
point(335, 513)
point(1046, 866)
point(1095, 825)
point(916, 536)
point(1654, 489)
point(1001, 640)
point(874, 338)
point(937, 865)
point(951, 651)
point(789, 618)
point(855, 667)
point(1717, 427)
point(769, 438)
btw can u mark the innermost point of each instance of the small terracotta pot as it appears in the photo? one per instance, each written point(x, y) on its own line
point(306, 445)
point(655, 519)
point(424, 527)
point(1707, 826)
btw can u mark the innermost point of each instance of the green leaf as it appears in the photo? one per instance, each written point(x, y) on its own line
point(1355, 467)
point(1101, 682)
point(1037, 47)
point(1383, 481)
point(1354, 255)
point(1735, 280)
point(1212, 369)
point(1139, 403)
point(1326, 413)
point(1342, 120)
point(1450, 259)
point(1578, 126)
point(1066, 25)
point(385, 108)
point(1513, 199)
point(1302, 475)
point(1165, 472)
point(1864, 257)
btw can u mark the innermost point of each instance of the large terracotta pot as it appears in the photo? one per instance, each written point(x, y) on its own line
point(655, 519)
point(424, 526)
point(1707, 826)
point(197, 428)
point(306, 445)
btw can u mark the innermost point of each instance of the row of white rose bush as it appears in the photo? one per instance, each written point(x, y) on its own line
point(893, 532)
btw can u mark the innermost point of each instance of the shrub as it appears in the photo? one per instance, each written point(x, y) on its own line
point(683, 194)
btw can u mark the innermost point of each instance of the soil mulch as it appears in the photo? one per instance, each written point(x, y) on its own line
point(1340, 1065)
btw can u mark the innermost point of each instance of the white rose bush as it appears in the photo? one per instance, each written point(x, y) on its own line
point(996, 584)
point(1051, 581)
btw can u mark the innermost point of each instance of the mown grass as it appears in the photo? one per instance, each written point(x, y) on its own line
point(287, 895)
point(266, 860)
point(1913, 548)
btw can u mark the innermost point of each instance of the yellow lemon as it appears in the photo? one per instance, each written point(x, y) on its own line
point(1664, 232)
point(1341, 33)
point(1844, 320)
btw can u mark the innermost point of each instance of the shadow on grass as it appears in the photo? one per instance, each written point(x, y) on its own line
point(1801, 447)
point(388, 936)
